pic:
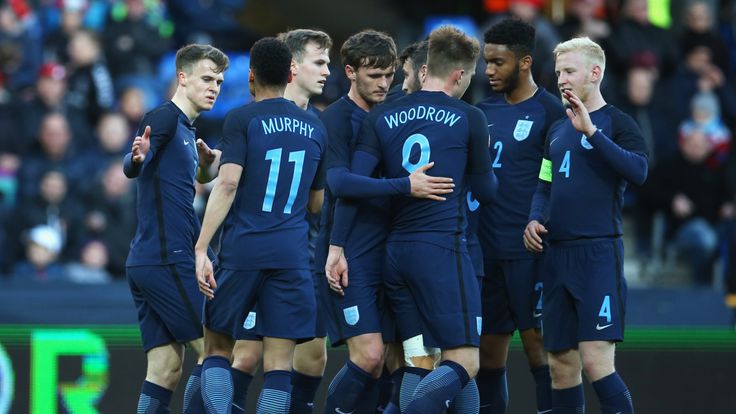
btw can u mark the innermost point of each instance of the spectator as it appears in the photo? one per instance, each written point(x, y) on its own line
point(55, 152)
point(699, 29)
point(583, 19)
point(50, 96)
point(133, 106)
point(90, 84)
point(694, 197)
point(41, 262)
point(20, 44)
point(705, 118)
point(90, 268)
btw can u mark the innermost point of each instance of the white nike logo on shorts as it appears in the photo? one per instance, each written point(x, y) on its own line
point(339, 411)
point(598, 327)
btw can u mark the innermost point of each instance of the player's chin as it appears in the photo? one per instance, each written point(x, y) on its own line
point(379, 97)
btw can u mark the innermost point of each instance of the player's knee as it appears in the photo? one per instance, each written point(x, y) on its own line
point(368, 358)
point(165, 376)
point(596, 368)
point(311, 360)
point(246, 362)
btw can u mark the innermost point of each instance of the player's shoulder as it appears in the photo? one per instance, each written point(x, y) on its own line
point(549, 101)
point(494, 100)
point(618, 117)
point(339, 114)
point(163, 117)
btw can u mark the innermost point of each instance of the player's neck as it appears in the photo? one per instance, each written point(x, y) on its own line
point(524, 90)
point(293, 94)
point(433, 84)
point(185, 105)
point(595, 101)
point(265, 92)
point(362, 103)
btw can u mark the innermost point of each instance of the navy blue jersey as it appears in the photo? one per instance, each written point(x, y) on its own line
point(281, 148)
point(342, 120)
point(474, 247)
point(168, 227)
point(517, 135)
point(586, 187)
point(420, 128)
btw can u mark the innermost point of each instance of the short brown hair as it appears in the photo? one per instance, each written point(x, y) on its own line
point(369, 48)
point(450, 49)
point(298, 39)
point(189, 55)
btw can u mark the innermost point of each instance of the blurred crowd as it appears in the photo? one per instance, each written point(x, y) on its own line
point(76, 77)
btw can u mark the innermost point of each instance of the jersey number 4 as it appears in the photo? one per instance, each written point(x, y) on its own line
point(274, 155)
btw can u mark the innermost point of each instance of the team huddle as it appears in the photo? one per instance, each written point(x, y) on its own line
point(417, 229)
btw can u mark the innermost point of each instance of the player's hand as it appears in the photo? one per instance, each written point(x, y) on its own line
point(141, 145)
point(336, 269)
point(205, 274)
point(533, 236)
point(427, 186)
point(578, 114)
point(205, 154)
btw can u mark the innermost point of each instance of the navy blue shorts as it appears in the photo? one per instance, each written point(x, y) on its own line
point(585, 293)
point(286, 303)
point(362, 309)
point(169, 303)
point(512, 296)
point(251, 329)
point(433, 291)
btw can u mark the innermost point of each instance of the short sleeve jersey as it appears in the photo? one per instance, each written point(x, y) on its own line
point(281, 149)
point(413, 131)
point(168, 226)
point(586, 193)
point(517, 134)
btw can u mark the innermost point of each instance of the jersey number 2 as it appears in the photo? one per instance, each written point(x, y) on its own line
point(274, 155)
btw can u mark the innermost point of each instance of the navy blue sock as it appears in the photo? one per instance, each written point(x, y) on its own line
point(396, 378)
point(544, 387)
point(493, 389)
point(241, 382)
point(411, 378)
point(368, 401)
point(217, 385)
point(275, 396)
point(346, 389)
point(154, 399)
point(193, 403)
point(613, 395)
point(467, 402)
point(385, 390)
point(568, 400)
point(437, 390)
point(303, 389)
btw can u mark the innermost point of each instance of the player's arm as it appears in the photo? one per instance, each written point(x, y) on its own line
point(317, 191)
point(218, 205)
point(631, 163)
point(160, 127)
point(209, 162)
point(539, 209)
point(346, 182)
point(479, 172)
point(232, 159)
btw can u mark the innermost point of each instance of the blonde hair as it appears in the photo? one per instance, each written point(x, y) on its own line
point(591, 50)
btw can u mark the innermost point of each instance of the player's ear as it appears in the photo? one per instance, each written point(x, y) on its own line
point(596, 73)
point(350, 72)
point(291, 77)
point(525, 63)
point(294, 67)
point(251, 77)
point(181, 78)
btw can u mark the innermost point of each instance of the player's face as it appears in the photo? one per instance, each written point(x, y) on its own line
point(203, 85)
point(312, 72)
point(412, 83)
point(502, 68)
point(372, 83)
point(573, 74)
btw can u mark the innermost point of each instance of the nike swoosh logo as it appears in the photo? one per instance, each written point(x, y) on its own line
point(339, 411)
point(598, 327)
point(490, 125)
point(447, 403)
point(545, 411)
point(553, 140)
point(186, 142)
point(536, 315)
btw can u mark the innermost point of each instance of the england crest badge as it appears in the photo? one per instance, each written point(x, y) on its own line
point(523, 127)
